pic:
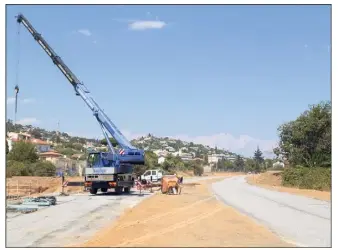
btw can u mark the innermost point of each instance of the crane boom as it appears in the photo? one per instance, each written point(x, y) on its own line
point(128, 152)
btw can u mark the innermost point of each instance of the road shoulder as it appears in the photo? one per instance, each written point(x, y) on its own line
point(271, 180)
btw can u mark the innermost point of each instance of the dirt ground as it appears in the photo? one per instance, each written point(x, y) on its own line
point(272, 180)
point(193, 219)
point(33, 185)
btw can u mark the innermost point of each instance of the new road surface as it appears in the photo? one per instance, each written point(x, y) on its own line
point(302, 221)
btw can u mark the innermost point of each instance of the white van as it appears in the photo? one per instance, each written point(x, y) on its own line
point(152, 175)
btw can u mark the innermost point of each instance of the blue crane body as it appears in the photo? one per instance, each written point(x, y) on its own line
point(104, 169)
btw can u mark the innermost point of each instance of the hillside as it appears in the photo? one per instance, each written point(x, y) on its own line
point(148, 143)
point(153, 143)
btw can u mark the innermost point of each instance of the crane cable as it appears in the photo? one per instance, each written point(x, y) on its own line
point(16, 88)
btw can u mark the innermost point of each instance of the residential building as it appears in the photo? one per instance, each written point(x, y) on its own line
point(161, 159)
point(41, 146)
point(278, 164)
point(49, 156)
point(186, 157)
point(207, 169)
point(214, 158)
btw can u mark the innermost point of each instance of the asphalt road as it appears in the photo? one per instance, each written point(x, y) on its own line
point(302, 221)
point(73, 220)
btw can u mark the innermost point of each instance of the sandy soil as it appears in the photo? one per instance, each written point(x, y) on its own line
point(272, 180)
point(193, 219)
point(32, 185)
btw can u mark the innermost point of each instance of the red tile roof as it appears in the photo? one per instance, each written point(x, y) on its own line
point(50, 153)
point(39, 142)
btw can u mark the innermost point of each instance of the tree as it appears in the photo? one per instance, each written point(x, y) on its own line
point(250, 165)
point(307, 140)
point(43, 168)
point(36, 133)
point(198, 170)
point(268, 163)
point(7, 148)
point(23, 152)
point(239, 163)
point(258, 156)
point(15, 168)
point(151, 160)
point(258, 160)
point(112, 141)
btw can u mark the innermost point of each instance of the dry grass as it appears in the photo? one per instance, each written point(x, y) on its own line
point(193, 219)
point(273, 180)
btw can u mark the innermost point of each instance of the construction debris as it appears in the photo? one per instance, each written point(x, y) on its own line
point(29, 205)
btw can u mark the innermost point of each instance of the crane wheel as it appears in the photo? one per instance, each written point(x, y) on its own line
point(118, 190)
point(93, 190)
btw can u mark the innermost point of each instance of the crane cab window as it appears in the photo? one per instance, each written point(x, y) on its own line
point(93, 160)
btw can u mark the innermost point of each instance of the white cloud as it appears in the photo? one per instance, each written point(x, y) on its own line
point(144, 25)
point(84, 32)
point(10, 100)
point(28, 100)
point(28, 121)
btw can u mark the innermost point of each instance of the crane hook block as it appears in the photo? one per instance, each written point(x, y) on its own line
point(16, 89)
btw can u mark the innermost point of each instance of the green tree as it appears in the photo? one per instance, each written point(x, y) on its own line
point(16, 168)
point(239, 163)
point(151, 160)
point(198, 170)
point(228, 166)
point(258, 156)
point(307, 140)
point(268, 163)
point(36, 133)
point(23, 152)
point(42, 168)
point(250, 165)
point(259, 160)
point(112, 141)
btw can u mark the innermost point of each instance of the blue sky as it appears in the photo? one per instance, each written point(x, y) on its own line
point(219, 75)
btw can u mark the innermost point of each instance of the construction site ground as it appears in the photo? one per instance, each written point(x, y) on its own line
point(193, 219)
point(219, 210)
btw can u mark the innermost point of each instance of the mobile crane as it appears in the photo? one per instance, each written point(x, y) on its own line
point(104, 170)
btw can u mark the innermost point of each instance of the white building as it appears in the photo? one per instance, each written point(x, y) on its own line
point(214, 158)
point(161, 159)
point(278, 164)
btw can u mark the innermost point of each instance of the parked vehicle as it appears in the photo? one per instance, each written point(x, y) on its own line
point(152, 175)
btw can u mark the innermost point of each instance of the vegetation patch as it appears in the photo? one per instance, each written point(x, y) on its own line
point(307, 178)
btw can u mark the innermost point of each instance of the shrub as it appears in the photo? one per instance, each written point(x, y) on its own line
point(15, 168)
point(42, 168)
point(198, 170)
point(307, 178)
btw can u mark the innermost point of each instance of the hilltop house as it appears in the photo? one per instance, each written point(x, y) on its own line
point(161, 159)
